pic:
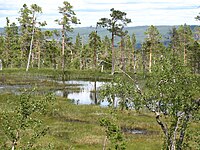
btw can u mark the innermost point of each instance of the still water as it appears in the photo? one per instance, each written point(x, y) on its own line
point(80, 92)
point(88, 93)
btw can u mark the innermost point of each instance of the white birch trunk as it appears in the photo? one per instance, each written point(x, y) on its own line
point(31, 46)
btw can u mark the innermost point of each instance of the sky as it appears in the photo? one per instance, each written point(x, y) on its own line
point(141, 12)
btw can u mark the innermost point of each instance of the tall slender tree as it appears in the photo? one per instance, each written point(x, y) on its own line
point(68, 18)
point(130, 42)
point(50, 54)
point(78, 47)
point(174, 41)
point(11, 44)
point(153, 40)
point(194, 57)
point(94, 43)
point(133, 42)
point(28, 22)
point(25, 32)
point(35, 9)
point(114, 24)
point(2, 43)
point(106, 53)
point(122, 35)
point(185, 39)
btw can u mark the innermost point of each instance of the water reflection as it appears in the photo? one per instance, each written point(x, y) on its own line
point(88, 93)
point(81, 92)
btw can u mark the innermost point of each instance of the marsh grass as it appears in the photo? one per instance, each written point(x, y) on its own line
point(77, 126)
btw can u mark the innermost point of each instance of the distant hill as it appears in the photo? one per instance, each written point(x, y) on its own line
point(138, 30)
point(1, 30)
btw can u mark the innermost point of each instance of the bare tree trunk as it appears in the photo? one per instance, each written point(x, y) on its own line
point(21, 59)
point(39, 51)
point(162, 125)
point(104, 143)
point(95, 53)
point(1, 65)
point(81, 59)
point(150, 59)
point(182, 132)
point(122, 54)
point(184, 45)
point(14, 142)
point(143, 62)
point(31, 46)
point(63, 48)
point(134, 64)
point(173, 138)
point(113, 56)
point(13, 145)
point(95, 92)
point(32, 59)
point(133, 58)
point(102, 68)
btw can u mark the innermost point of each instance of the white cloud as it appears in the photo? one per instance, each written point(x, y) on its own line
point(143, 12)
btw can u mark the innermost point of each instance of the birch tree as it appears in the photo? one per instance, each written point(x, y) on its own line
point(34, 10)
point(171, 92)
point(28, 22)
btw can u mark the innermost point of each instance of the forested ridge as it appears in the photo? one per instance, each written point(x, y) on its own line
point(138, 30)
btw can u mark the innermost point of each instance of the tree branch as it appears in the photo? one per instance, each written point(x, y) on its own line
point(163, 126)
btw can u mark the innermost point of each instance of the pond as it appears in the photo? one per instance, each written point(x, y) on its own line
point(80, 92)
point(87, 93)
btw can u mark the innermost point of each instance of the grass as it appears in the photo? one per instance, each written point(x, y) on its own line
point(77, 126)
point(56, 74)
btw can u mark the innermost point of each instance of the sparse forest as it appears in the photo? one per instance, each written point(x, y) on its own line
point(152, 93)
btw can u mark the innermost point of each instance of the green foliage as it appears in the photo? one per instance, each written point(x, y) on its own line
point(20, 125)
point(68, 18)
point(114, 134)
point(152, 46)
point(115, 26)
point(172, 91)
point(120, 92)
point(30, 34)
point(10, 54)
point(95, 45)
point(194, 57)
point(197, 17)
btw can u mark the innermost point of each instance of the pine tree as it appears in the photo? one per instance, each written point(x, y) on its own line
point(25, 32)
point(94, 43)
point(153, 41)
point(185, 38)
point(11, 44)
point(68, 18)
point(114, 24)
point(194, 57)
point(78, 48)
